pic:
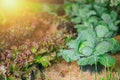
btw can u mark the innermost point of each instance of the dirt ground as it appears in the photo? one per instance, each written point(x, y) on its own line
point(117, 57)
point(71, 71)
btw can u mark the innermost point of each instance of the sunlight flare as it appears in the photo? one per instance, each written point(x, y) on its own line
point(9, 4)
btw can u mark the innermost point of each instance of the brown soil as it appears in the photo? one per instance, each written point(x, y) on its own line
point(117, 38)
point(71, 71)
point(117, 57)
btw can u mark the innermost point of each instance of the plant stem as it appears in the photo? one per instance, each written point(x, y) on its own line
point(70, 71)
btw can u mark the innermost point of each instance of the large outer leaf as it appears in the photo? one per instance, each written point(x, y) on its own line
point(103, 47)
point(112, 26)
point(83, 11)
point(76, 20)
point(75, 7)
point(106, 17)
point(116, 45)
point(108, 20)
point(87, 61)
point(113, 15)
point(73, 44)
point(91, 13)
point(80, 27)
point(101, 22)
point(107, 60)
point(93, 20)
point(68, 8)
point(99, 9)
point(109, 34)
point(88, 24)
point(101, 30)
point(70, 55)
point(87, 35)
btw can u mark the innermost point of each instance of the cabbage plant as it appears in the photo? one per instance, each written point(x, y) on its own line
point(96, 26)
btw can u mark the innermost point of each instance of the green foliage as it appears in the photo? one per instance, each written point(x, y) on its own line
point(106, 2)
point(107, 60)
point(111, 2)
point(44, 60)
point(33, 49)
point(96, 27)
